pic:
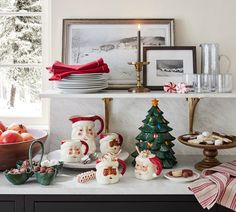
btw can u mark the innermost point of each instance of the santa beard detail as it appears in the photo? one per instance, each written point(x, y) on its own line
point(144, 172)
point(108, 148)
point(107, 175)
point(70, 153)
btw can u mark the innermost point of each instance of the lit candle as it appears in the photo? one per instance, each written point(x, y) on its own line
point(139, 44)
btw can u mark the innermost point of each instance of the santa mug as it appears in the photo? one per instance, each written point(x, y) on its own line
point(110, 143)
point(107, 169)
point(71, 150)
point(83, 128)
point(148, 166)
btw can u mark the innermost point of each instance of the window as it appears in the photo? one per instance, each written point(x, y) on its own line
point(22, 57)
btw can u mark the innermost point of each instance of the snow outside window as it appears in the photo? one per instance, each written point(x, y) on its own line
point(21, 58)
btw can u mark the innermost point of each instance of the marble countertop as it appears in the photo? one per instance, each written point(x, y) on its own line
point(65, 183)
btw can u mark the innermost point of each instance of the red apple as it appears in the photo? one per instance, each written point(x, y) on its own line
point(10, 136)
point(2, 127)
point(20, 128)
point(27, 137)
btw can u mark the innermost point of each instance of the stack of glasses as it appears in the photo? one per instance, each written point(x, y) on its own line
point(207, 83)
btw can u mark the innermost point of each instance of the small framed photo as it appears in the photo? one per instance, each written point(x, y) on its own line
point(167, 64)
point(115, 40)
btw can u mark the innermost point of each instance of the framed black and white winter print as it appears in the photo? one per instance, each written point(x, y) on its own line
point(167, 64)
point(115, 40)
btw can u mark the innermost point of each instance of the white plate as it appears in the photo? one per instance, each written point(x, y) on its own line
point(82, 82)
point(56, 155)
point(182, 179)
point(89, 90)
point(90, 85)
point(81, 86)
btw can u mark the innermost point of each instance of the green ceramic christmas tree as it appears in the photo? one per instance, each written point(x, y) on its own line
point(155, 136)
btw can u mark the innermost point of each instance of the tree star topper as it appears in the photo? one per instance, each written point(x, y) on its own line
point(155, 102)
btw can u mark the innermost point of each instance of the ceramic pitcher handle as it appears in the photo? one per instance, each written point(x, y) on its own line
point(120, 139)
point(122, 163)
point(86, 147)
point(229, 61)
point(157, 163)
point(102, 123)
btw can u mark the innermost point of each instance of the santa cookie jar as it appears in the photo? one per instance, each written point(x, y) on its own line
point(148, 166)
point(83, 128)
point(71, 150)
point(107, 169)
point(110, 143)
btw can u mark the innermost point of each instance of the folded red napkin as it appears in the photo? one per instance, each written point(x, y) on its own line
point(217, 186)
point(101, 69)
point(61, 70)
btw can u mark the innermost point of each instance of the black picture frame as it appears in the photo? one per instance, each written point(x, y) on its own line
point(146, 51)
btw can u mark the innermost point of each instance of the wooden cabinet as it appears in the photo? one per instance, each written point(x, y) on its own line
point(12, 203)
point(114, 203)
point(104, 203)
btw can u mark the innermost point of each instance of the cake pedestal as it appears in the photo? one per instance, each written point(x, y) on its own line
point(209, 151)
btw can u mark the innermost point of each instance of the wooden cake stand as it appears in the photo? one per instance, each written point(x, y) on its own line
point(209, 151)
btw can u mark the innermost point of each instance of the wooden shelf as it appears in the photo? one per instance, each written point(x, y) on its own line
point(126, 94)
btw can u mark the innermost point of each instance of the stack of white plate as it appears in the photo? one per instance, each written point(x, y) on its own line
point(82, 83)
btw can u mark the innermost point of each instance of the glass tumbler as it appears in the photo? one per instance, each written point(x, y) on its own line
point(202, 83)
point(188, 79)
point(224, 83)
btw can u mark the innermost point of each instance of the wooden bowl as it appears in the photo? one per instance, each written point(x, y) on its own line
point(11, 153)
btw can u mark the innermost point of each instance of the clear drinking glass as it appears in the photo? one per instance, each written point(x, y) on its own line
point(188, 79)
point(202, 83)
point(213, 82)
point(224, 83)
point(197, 83)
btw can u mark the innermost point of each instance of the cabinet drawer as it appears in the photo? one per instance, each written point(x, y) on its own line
point(118, 206)
point(7, 206)
point(11, 203)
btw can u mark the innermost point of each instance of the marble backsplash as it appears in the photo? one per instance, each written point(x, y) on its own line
point(127, 115)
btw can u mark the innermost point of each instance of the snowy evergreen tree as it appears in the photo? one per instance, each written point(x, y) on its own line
point(20, 43)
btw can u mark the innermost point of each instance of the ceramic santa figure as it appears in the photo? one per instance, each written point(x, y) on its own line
point(110, 143)
point(107, 169)
point(148, 166)
point(83, 128)
point(71, 150)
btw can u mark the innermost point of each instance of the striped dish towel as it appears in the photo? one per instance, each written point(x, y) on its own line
point(217, 186)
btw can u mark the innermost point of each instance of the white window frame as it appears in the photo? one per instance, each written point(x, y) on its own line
point(46, 60)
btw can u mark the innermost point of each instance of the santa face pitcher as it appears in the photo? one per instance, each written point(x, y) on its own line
point(148, 166)
point(107, 169)
point(83, 128)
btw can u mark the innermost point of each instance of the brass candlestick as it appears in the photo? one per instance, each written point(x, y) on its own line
point(138, 68)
